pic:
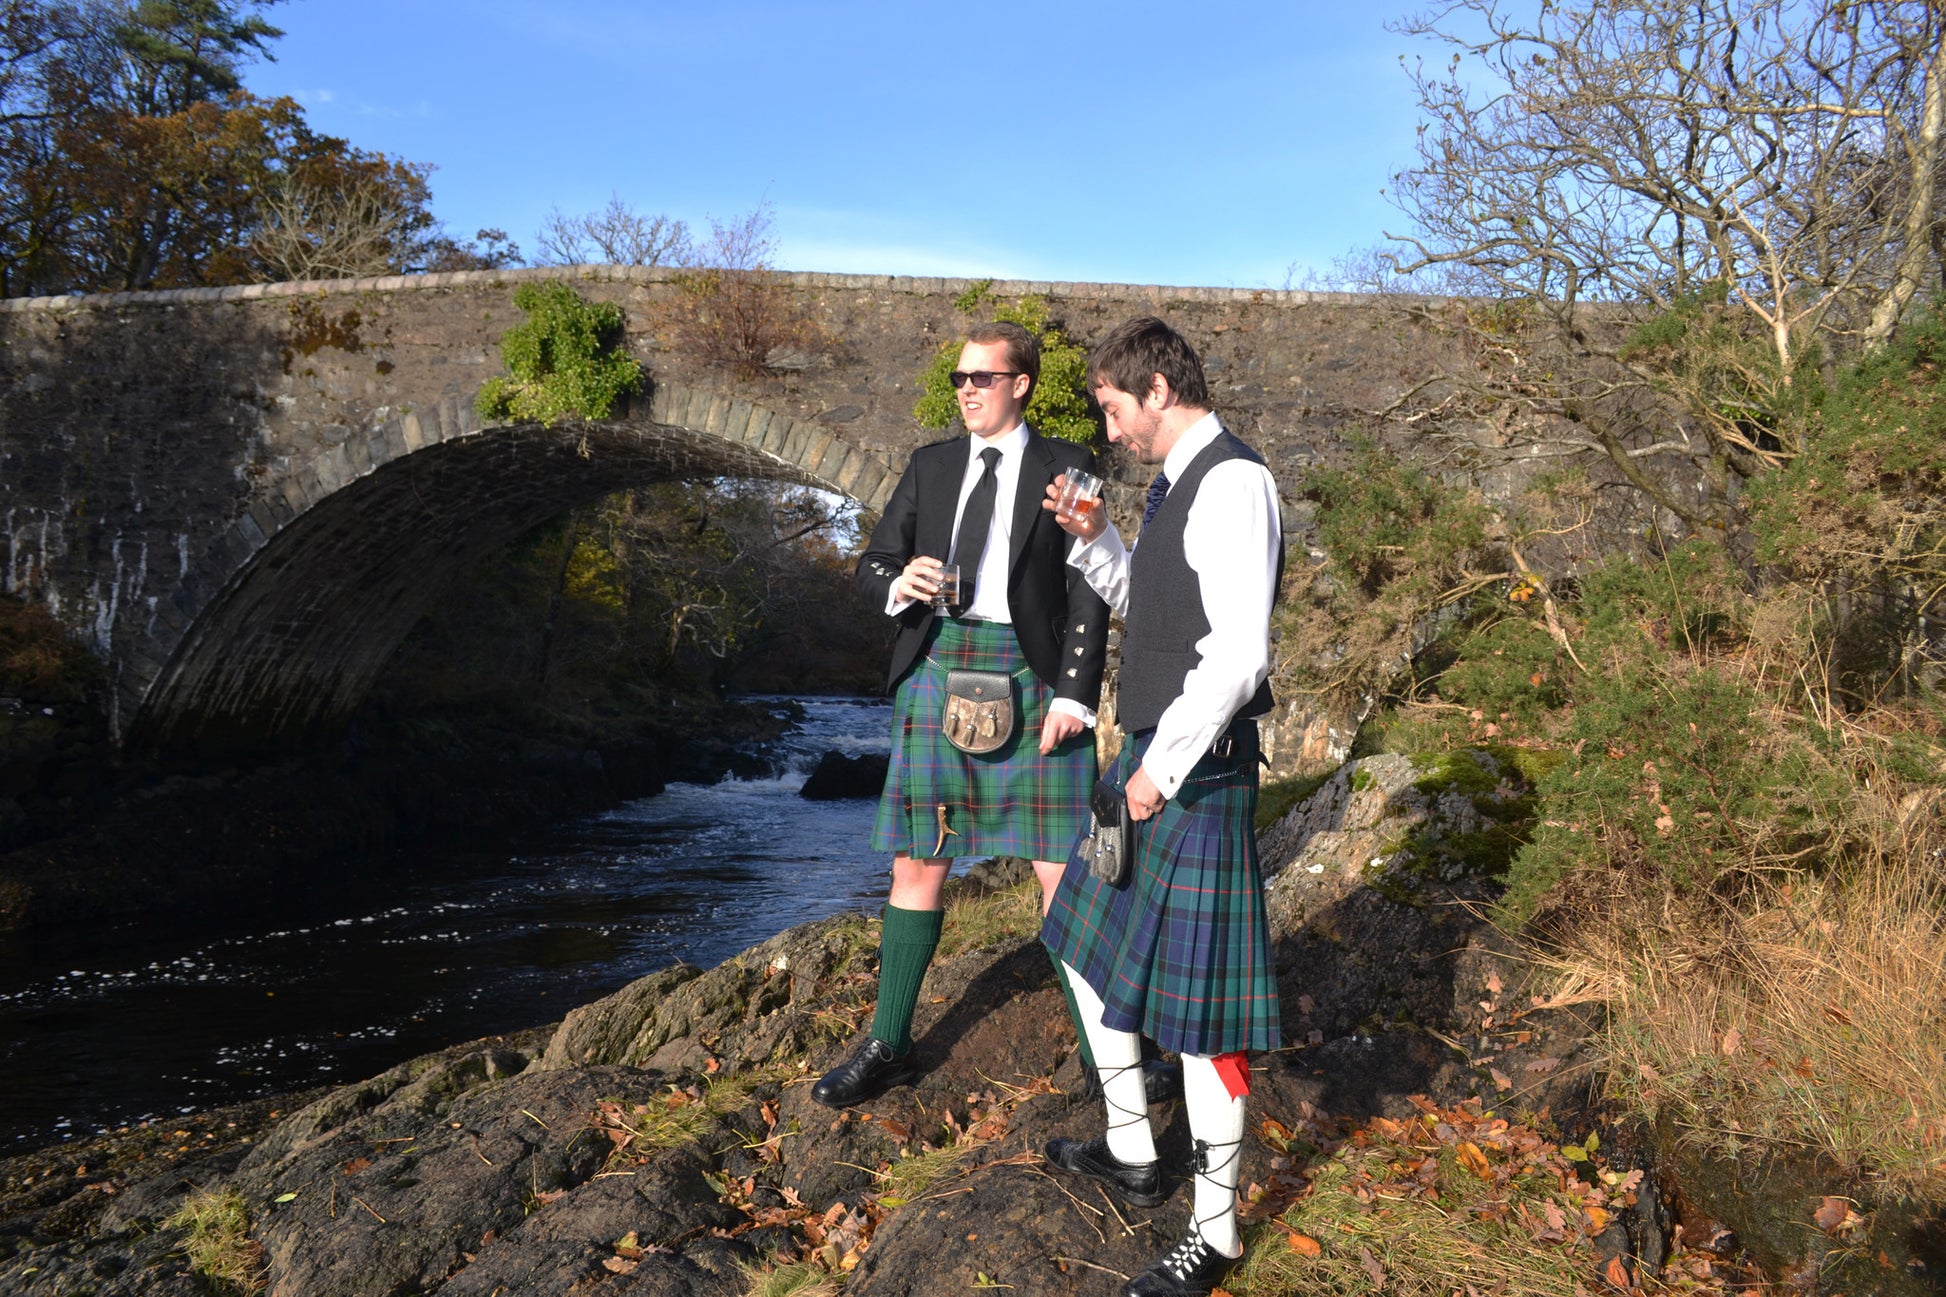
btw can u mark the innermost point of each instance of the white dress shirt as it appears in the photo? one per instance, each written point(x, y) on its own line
point(990, 587)
point(1231, 540)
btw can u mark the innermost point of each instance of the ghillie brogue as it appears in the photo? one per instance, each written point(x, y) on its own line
point(1189, 1269)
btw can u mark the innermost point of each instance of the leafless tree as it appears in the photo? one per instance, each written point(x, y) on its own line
point(311, 231)
point(735, 310)
point(1756, 181)
point(616, 235)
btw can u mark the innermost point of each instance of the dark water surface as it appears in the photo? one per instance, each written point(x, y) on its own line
point(99, 1033)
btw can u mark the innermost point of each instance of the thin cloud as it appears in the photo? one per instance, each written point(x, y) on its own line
point(421, 110)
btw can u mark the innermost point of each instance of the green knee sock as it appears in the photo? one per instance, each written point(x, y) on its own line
point(904, 950)
point(1074, 1011)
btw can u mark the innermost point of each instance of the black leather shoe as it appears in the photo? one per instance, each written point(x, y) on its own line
point(1189, 1269)
point(1161, 1081)
point(871, 1070)
point(1137, 1185)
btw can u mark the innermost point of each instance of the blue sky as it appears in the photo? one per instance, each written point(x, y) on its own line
point(1136, 142)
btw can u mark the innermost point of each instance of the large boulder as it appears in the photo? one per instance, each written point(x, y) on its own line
point(839, 777)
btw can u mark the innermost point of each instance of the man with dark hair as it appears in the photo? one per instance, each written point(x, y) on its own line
point(1179, 949)
point(975, 503)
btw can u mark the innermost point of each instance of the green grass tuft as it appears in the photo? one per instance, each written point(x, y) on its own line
point(216, 1226)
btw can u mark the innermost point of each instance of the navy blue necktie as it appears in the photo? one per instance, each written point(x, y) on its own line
point(1158, 491)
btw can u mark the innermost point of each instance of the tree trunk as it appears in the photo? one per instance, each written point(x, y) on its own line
point(1919, 205)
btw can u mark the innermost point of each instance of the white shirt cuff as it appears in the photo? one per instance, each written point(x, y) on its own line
point(1070, 707)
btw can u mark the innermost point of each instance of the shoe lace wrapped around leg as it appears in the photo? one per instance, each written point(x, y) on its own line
point(1119, 1116)
point(1214, 1171)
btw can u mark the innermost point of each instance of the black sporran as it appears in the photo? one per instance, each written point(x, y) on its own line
point(1110, 843)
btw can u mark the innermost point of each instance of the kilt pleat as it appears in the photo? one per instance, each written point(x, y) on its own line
point(1009, 802)
point(1180, 951)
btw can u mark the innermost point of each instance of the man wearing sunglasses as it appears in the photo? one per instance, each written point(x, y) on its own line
point(975, 502)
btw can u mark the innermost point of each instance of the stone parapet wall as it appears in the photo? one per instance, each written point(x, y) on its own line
point(160, 453)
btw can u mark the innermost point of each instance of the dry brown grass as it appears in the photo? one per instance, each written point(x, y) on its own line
point(976, 919)
point(1450, 1201)
point(789, 1279)
point(1810, 1014)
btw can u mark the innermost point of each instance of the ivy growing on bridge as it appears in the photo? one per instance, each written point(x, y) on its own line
point(1059, 405)
point(565, 361)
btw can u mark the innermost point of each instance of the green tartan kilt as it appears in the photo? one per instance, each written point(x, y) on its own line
point(1180, 951)
point(1009, 802)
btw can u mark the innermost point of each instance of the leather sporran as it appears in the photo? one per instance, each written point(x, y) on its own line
point(1110, 842)
point(979, 714)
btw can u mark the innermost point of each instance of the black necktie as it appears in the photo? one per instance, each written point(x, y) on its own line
point(1158, 491)
point(971, 541)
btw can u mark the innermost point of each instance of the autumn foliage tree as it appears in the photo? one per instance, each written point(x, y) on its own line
point(131, 158)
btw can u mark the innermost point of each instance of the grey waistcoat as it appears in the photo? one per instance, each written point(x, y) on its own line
point(1165, 603)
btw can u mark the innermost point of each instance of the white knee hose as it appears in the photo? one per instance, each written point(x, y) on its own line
point(1216, 1126)
point(1118, 1058)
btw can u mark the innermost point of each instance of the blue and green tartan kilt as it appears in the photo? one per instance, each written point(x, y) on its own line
point(1180, 951)
point(1009, 802)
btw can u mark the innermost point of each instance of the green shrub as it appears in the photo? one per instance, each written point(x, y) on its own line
point(1399, 546)
point(1059, 404)
point(565, 360)
point(1857, 516)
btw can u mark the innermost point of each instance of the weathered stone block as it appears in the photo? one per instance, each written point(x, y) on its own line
point(831, 460)
point(333, 470)
point(271, 514)
point(871, 483)
point(812, 451)
point(717, 418)
point(252, 533)
point(778, 434)
point(414, 431)
point(389, 441)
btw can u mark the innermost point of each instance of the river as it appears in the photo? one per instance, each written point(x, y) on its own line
point(459, 944)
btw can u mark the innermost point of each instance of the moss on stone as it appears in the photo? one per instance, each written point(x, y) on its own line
point(1496, 784)
point(1275, 799)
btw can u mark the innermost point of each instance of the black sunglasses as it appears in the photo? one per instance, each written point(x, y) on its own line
point(979, 377)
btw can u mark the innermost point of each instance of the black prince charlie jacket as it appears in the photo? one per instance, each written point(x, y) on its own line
point(1059, 621)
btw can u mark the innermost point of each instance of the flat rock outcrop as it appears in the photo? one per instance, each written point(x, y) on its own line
point(662, 1141)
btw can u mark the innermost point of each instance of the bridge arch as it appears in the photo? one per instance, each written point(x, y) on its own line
point(284, 621)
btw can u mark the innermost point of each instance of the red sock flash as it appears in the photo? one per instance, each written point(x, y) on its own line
point(1235, 1072)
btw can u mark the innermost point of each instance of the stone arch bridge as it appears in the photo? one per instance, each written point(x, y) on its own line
point(242, 499)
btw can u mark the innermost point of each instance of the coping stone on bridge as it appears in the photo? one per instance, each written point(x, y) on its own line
point(916, 285)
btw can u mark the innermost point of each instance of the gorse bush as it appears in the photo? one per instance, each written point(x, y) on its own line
point(1860, 516)
point(1059, 404)
point(1711, 719)
point(1733, 745)
point(565, 361)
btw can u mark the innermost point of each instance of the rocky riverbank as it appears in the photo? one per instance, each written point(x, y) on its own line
point(1432, 1122)
point(129, 841)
